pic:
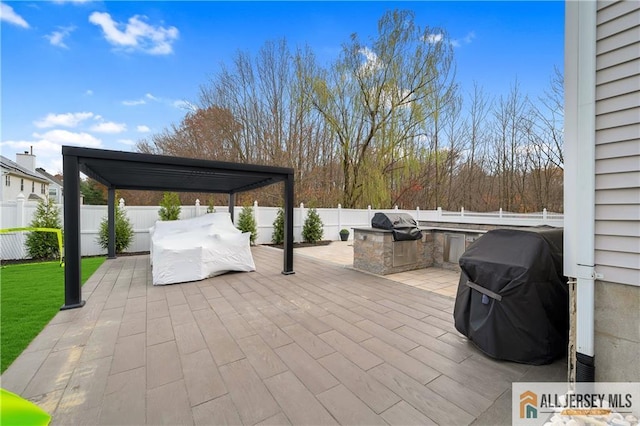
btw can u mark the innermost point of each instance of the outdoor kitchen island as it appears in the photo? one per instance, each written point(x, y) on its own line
point(376, 251)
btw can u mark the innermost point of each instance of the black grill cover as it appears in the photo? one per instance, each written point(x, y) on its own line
point(403, 226)
point(512, 299)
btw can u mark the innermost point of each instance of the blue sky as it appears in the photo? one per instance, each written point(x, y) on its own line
point(106, 74)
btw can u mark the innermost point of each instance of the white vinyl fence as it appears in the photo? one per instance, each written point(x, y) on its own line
point(15, 214)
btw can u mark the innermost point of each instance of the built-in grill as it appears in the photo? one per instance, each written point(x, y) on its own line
point(405, 235)
point(402, 225)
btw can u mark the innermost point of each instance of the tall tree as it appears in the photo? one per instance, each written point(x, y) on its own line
point(391, 79)
point(93, 192)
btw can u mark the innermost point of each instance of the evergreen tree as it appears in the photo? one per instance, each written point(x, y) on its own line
point(278, 228)
point(312, 229)
point(92, 192)
point(124, 231)
point(44, 245)
point(211, 208)
point(170, 206)
point(247, 223)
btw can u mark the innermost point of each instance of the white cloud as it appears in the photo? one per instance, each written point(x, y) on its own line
point(469, 37)
point(369, 54)
point(143, 129)
point(109, 127)
point(151, 97)
point(128, 142)
point(56, 38)
point(59, 136)
point(48, 146)
point(134, 102)
point(7, 14)
point(72, 1)
point(434, 38)
point(372, 63)
point(70, 119)
point(465, 40)
point(136, 34)
point(89, 92)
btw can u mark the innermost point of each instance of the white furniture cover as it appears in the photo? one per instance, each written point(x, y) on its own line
point(198, 248)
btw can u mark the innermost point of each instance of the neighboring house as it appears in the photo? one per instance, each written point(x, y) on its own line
point(602, 184)
point(55, 185)
point(21, 177)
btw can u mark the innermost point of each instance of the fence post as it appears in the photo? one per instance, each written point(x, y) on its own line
point(439, 213)
point(462, 212)
point(339, 217)
point(396, 208)
point(197, 207)
point(500, 213)
point(544, 214)
point(417, 213)
point(20, 210)
point(369, 213)
point(301, 220)
point(255, 216)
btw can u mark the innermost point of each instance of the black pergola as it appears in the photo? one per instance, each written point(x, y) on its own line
point(129, 170)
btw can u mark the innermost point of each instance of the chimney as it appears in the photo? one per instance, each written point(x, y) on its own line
point(27, 160)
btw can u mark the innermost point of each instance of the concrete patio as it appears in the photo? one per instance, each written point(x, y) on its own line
point(328, 345)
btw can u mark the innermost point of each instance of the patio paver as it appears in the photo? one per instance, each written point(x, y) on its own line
point(328, 345)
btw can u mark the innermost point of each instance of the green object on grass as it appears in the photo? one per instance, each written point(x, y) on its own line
point(17, 411)
point(30, 296)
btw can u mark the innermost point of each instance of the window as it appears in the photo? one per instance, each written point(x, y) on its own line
point(42, 189)
point(7, 180)
point(33, 187)
point(21, 184)
point(53, 193)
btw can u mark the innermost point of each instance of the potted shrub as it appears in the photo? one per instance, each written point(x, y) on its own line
point(344, 234)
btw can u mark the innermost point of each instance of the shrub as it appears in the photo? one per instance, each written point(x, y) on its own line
point(211, 208)
point(247, 223)
point(312, 229)
point(44, 245)
point(170, 206)
point(278, 228)
point(124, 231)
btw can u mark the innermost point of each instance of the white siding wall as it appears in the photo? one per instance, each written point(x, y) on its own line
point(617, 164)
point(9, 193)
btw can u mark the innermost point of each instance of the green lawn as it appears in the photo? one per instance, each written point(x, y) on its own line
point(30, 295)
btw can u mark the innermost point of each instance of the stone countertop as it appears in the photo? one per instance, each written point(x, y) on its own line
point(427, 228)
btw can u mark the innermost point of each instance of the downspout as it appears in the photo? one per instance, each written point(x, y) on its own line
point(579, 188)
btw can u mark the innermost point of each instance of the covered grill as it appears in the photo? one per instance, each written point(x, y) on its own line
point(402, 225)
point(512, 299)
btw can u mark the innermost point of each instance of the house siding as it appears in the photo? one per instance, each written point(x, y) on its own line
point(617, 155)
point(11, 192)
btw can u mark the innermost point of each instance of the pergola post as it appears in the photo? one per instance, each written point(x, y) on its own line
point(288, 225)
point(111, 219)
point(72, 272)
point(232, 204)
